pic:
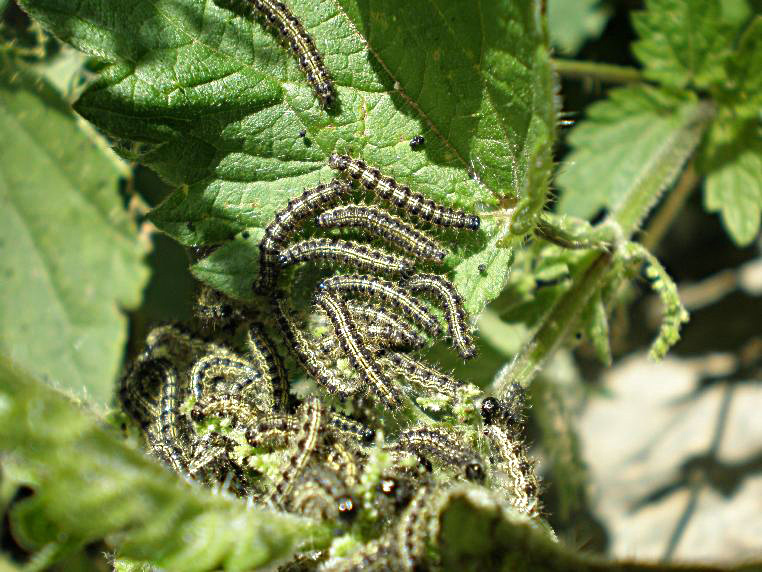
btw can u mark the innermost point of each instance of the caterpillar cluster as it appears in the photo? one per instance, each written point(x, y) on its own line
point(217, 409)
point(215, 403)
point(373, 318)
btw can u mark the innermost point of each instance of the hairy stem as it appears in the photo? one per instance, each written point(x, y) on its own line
point(661, 221)
point(592, 273)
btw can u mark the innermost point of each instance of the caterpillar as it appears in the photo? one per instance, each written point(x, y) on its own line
point(513, 462)
point(277, 15)
point(169, 453)
point(348, 427)
point(406, 334)
point(311, 420)
point(228, 407)
point(387, 291)
point(164, 435)
point(400, 195)
point(392, 229)
point(266, 359)
point(353, 346)
point(321, 494)
point(346, 253)
point(378, 328)
point(455, 314)
point(169, 401)
point(234, 375)
point(420, 374)
point(174, 342)
point(412, 531)
point(443, 446)
point(373, 335)
point(308, 354)
point(286, 223)
point(140, 389)
point(343, 460)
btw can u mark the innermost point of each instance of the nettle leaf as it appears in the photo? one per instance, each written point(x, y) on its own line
point(90, 485)
point(218, 104)
point(733, 188)
point(571, 24)
point(638, 136)
point(70, 257)
point(683, 42)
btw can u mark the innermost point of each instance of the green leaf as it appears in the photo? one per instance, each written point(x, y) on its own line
point(745, 73)
point(638, 137)
point(90, 485)
point(69, 256)
point(683, 42)
point(218, 104)
point(571, 24)
point(733, 163)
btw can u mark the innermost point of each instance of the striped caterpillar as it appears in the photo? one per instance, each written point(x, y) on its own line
point(400, 195)
point(278, 16)
point(386, 291)
point(287, 221)
point(346, 253)
point(390, 228)
point(353, 346)
point(455, 314)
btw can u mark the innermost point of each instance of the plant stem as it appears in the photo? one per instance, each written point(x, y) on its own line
point(601, 72)
point(671, 207)
point(559, 320)
point(591, 273)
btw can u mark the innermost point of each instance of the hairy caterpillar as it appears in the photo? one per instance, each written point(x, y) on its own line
point(420, 374)
point(455, 314)
point(392, 229)
point(266, 359)
point(401, 196)
point(346, 253)
point(387, 291)
point(443, 446)
point(353, 346)
point(308, 354)
point(312, 416)
point(287, 221)
point(277, 15)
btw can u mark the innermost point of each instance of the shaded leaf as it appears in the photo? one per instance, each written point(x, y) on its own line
point(69, 256)
point(745, 72)
point(89, 485)
point(218, 104)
